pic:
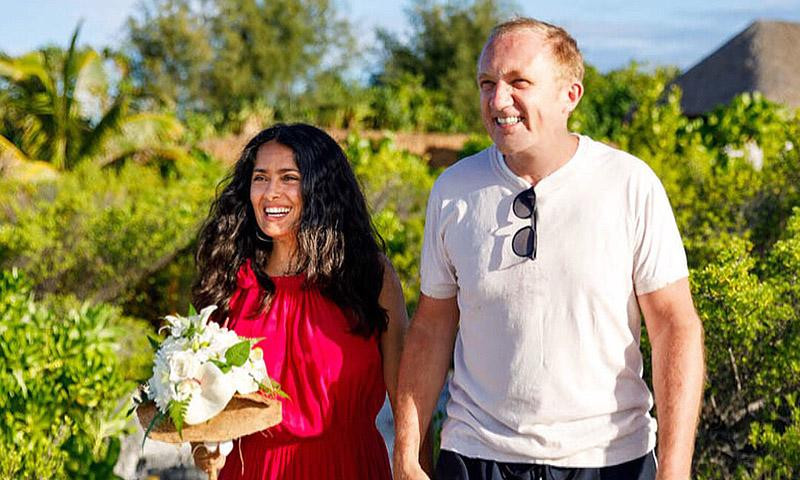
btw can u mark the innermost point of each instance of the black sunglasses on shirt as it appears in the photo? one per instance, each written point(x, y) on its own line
point(524, 241)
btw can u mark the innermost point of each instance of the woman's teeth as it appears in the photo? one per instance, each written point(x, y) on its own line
point(276, 212)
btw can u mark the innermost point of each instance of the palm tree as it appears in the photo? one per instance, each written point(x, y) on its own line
point(61, 107)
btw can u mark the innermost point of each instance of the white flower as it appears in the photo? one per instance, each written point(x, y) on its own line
point(180, 326)
point(186, 389)
point(216, 390)
point(158, 386)
point(257, 366)
point(243, 380)
point(256, 355)
point(183, 365)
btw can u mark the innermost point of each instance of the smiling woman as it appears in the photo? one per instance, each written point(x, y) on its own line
point(276, 197)
point(289, 255)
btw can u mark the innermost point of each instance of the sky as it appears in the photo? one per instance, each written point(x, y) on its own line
point(610, 33)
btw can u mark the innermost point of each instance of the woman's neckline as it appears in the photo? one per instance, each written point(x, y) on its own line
point(288, 275)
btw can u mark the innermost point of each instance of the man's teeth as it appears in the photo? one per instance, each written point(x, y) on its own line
point(276, 211)
point(508, 120)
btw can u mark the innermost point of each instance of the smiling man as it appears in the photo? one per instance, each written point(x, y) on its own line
point(541, 254)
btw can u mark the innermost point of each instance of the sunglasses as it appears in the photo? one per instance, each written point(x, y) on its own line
point(524, 241)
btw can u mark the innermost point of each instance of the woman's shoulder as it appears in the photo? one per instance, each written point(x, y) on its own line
point(245, 276)
point(391, 281)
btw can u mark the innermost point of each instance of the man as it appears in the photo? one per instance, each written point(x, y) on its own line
point(540, 255)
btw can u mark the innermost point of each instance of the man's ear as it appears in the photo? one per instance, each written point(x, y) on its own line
point(574, 94)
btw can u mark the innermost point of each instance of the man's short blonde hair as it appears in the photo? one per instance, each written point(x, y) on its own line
point(563, 47)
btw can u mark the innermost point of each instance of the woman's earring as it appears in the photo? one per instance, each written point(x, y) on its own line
point(262, 237)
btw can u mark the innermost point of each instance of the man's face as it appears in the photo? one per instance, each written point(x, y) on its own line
point(524, 98)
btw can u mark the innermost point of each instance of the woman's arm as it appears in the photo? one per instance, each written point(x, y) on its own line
point(391, 298)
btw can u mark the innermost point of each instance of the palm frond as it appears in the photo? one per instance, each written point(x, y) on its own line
point(15, 164)
point(175, 154)
point(105, 128)
point(23, 68)
point(8, 149)
point(141, 132)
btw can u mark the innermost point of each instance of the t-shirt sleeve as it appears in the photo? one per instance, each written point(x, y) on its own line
point(437, 275)
point(659, 257)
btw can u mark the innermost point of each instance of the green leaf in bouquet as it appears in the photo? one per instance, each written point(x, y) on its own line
point(192, 311)
point(157, 419)
point(177, 412)
point(238, 354)
point(190, 332)
point(155, 344)
point(276, 389)
point(224, 367)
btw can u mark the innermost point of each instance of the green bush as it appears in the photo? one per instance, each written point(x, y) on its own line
point(94, 232)
point(63, 383)
point(749, 425)
point(406, 104)
point(396, 184)
point(474, 144)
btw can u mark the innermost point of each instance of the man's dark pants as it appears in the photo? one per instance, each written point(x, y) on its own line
point(453, 466)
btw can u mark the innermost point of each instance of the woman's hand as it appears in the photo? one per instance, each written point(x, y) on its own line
point(209, 462)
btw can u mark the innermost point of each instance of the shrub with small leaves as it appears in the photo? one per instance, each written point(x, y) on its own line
point(62, 386)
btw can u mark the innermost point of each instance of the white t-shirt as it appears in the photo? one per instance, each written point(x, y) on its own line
point(547, 361)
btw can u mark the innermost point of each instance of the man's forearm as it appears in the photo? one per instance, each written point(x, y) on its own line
point(678, 376)
point(423, 369)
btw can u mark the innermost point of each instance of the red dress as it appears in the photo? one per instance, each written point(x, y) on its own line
point(334, 380)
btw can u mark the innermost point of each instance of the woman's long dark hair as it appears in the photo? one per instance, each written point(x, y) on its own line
point(337, 246)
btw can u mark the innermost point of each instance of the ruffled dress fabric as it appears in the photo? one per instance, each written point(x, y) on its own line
point(334, 380)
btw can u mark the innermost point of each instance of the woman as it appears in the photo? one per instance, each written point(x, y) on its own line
point(289, 254)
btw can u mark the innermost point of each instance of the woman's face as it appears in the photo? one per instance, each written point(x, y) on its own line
point(275, 192)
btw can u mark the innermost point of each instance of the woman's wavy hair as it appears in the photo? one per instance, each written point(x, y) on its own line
point(337, 245)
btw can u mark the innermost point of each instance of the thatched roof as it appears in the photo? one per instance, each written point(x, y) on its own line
point(765, 57)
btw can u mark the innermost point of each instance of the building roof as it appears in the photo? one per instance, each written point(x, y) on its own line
point(765, 57)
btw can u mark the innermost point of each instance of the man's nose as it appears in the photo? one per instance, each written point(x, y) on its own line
point(501, 96)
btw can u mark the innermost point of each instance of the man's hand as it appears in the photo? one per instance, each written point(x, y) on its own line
point(209, 462)
point(426, 357)
point(409, 471)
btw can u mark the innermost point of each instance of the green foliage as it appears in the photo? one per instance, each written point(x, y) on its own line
point(443, 50)
point(224, 55)
point(332, 101)
point(62, 385)
point(167, 289)
point(783, 447)
point(749, 423)
point(404, 103)
point(750, 118)
point(475, 144)
point(396, 185)
point(238, 354)
point(611, 99)
point(177, 412)
point(95, 232)
point(60, 106)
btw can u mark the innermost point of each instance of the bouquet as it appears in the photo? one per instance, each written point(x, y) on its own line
point(198, 370)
